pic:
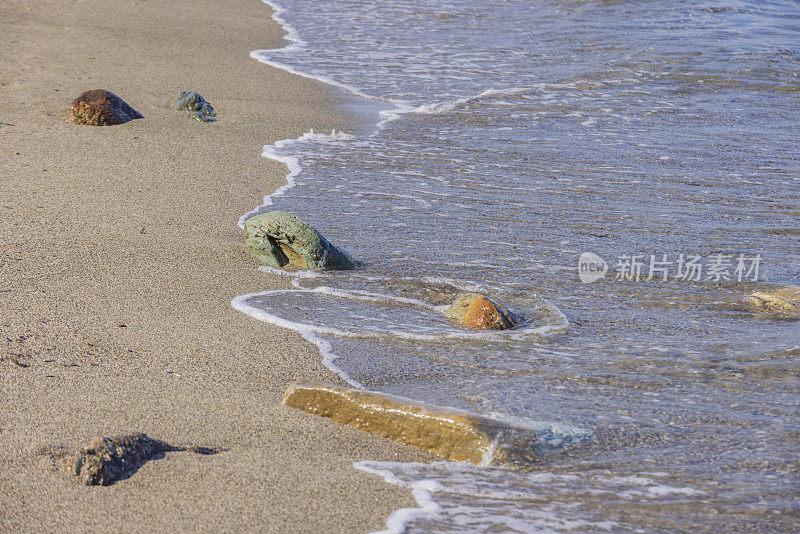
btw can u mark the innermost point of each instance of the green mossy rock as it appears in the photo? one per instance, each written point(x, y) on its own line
point(196, 105)
point(279, 239)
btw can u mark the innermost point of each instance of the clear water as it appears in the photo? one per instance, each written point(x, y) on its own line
point(517, 135)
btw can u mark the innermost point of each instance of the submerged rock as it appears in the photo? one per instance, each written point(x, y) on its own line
point(101, 108)
point(784, 300)
point(281, 239)
point(109, 459)
point(196, 105)
point(452, 434)
point(471, 310)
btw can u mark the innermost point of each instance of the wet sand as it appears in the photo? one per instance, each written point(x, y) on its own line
point(119, 255)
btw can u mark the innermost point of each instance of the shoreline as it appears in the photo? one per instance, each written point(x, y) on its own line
point(120, 258)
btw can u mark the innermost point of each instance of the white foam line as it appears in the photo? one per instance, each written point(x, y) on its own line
point(400, 107)
point(446, 107)
point(291, 274)
point(462, 285)
point(397, 521)
point(292, 163)
point(421, 490)
point(294, 169)
point(299, 44)
point(240, 303)
point(325, 348)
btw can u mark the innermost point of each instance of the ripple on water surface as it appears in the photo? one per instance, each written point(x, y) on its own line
point(526, 134)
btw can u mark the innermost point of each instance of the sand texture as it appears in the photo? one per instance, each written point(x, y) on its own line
point(119, 255)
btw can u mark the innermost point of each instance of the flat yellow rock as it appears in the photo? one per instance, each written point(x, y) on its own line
point(452, 434)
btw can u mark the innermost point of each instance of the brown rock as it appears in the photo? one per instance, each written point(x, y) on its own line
point(471, 310)
point(101, 108)
point(449, 433)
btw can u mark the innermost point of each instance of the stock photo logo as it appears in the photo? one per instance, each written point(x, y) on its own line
point(591, 267)
point(716, 267)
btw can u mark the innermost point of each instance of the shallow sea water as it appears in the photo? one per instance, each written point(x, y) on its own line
point(516, 136)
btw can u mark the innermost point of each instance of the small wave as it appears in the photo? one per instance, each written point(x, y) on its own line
point(298, 44)
point(324, 347)
point(400, 107)
point(292, 163)
point(411, 319)
point(458, 497)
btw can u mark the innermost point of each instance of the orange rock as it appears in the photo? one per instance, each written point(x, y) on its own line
point(101, 108)
point(471, 310)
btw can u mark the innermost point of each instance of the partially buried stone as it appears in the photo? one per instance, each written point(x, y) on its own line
point(281, 239)
point(196, 105)
point(452, 434)
point(101, 108)
point(471, 310)
point(109, 459)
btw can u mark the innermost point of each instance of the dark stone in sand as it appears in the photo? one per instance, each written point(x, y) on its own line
point(109, 459)
point(196, 105)
point(101, 108)
point(281, 239)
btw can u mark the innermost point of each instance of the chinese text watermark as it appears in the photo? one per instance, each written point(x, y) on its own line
point(716, 267)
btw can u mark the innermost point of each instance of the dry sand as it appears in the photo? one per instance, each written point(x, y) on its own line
point(119, 255)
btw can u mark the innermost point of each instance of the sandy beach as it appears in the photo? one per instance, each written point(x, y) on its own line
point(119, 257)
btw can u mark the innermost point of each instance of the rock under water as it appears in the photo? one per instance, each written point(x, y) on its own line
point(99, 107)
point(453, 434)
point(782, 300)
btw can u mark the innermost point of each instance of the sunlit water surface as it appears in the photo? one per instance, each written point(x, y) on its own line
point(524, 134)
